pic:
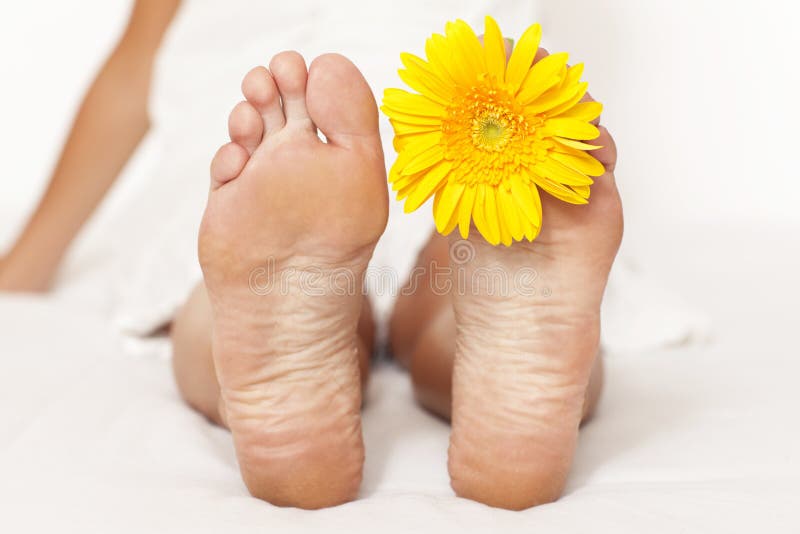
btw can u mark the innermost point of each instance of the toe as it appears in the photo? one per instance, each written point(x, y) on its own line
point(290, 73)
point(227, 164)
point(608, 154)
point(245, 126)
point(259, 88)
point(353, 113)
point(605, 203)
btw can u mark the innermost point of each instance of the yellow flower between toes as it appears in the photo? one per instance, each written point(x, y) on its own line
point(483, 133)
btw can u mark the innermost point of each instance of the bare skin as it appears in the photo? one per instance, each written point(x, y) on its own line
point(524, 369)
point(283, 370)
point(423, 335)
point(516, 373)
point(107, 129)
point(287, 359)
point(193, 364)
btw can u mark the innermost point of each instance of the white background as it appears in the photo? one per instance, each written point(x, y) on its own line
point(701, 96)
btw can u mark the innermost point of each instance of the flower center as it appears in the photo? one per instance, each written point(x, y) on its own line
point(491, 131)
point(486, 136)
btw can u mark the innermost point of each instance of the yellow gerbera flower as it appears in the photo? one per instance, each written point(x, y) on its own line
point(483, 133)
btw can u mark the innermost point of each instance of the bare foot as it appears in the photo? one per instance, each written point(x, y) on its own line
point(287, 207)
point(523, 359)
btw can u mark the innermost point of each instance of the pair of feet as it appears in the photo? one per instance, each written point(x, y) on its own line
point(307, 214)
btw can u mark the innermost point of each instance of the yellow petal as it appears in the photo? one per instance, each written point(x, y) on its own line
point(575, 144)
point(419, 76)
point(550, 168)
point(405, 191)
point(531, 232)
point(465, 210)
point(419, 145)
point(509, 213)
point(411, 119)
point(527, 200)
point(451, 224)
point(404, 185)
point(418, 83)
point(573, 82)
point(572, 76)
point(479, 212)
point(505, 234)
point(553, 102)
point(394, 172)
point(580, 161)
point(424, 159)
point(455, 58)
point(410, 103)
point(427, 186)
point(403, 128)
point(584, 111)
point(583, 191)
point(559, 191)
point(400, 142)
point(400, 182)
point(571, 129)
point(495, 50)
point(467, 50)
point(414, 142)
point(568, 86)
point(544, 75)
point(490, 211)
point(435, 76)
point(438, 54)
point(522, 57)
point(445, 208)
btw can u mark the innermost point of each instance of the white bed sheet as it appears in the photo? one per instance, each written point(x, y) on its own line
point(697, 439)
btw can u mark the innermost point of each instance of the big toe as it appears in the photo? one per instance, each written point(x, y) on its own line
point(340, 101)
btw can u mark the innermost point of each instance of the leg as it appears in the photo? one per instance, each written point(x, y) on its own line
point(423, 334)
point(290, 225)
point(193, 364)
